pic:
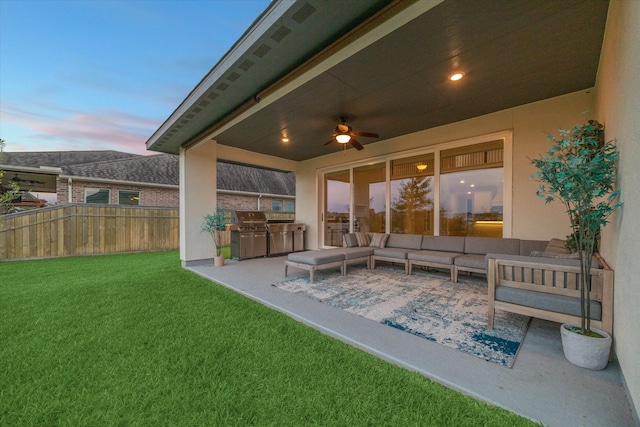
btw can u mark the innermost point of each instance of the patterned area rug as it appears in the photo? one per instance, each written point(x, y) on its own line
point(423, 304)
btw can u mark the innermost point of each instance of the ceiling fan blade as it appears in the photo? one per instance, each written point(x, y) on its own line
point(355, 144)
point(365, 134)
point(330, 141)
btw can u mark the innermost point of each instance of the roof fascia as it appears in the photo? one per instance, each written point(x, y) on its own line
point(45, 170)
point(119, 182)
point(374, 28)
point(261, 25)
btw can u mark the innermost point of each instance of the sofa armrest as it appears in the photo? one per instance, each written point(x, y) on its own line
point(550, 276)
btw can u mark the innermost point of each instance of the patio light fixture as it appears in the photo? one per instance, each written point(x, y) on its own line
point(343, 138)
point(421, 166)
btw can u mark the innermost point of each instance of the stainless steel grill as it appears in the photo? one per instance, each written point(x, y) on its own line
point(285, 238)
point(248, 235)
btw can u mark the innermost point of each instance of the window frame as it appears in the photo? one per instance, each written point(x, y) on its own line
point(507, 144)
point(289, 206)
point(132, 192)
point(96, 190)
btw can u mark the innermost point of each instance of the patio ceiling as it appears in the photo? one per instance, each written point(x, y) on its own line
point(512, 53)
point(29, 179)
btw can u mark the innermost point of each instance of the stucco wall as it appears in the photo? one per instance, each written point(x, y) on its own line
point(530, 124)
point(618, 107)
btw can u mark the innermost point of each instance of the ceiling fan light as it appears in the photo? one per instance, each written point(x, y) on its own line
point(343, 138)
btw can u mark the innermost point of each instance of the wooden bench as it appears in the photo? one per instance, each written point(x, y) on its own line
point(548, 289)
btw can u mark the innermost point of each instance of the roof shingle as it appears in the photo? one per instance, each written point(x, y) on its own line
point(156, 169)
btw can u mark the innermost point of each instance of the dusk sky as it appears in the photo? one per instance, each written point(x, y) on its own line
point(104, 75)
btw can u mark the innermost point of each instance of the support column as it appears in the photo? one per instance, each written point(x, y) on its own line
point(198, 172)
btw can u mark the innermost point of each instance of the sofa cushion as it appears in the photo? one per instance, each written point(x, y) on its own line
point(443, 243)
point(317, 257)
point(471, 261)
point(399, 253)
point(557, 246)
point(379, 240)
point(349, 240)
point(363, 238)
point(356, 252)
point(485, 245)
point(528, 246)
point(406, 241)
point(545, 301)
point(434, 256)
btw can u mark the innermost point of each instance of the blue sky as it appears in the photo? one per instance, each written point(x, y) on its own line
point(104, 75)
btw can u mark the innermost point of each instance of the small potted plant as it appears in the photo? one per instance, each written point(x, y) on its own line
point(214, 224)
point(580, 171)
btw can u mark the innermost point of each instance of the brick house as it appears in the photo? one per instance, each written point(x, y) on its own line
point(112, 177)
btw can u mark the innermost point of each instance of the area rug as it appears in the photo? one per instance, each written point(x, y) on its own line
point(423, 304)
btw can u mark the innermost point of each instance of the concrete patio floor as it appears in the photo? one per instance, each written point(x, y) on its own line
point(542, 385)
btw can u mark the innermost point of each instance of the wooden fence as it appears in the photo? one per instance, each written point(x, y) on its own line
point(81, 229)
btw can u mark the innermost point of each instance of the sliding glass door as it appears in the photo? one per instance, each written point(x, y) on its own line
point(471, 190)
point(412, 195)
point(336, 203)
point(456, 189)
point(369, 194)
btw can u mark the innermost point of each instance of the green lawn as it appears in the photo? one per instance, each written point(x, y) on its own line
point(136, 340)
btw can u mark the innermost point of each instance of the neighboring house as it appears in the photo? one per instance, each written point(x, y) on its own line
point(105, 177)
point(112, 177)
point(241, 187)
point(530, 68)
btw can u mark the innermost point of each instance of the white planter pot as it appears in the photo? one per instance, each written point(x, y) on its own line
point(218, 261)
point(586, 352)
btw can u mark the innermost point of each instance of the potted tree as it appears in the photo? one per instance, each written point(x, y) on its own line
point(579, 169)
point(214, 224)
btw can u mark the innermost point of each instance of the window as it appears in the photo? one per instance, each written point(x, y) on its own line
point(128, 197)
point(289, 206)
point(97, 195)
point(336, 205)
point(453, 189)
point(276, 205)
point(412, 195)
point(369, 195)
point(471, 195)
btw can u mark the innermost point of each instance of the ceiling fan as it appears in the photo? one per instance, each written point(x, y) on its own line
point(344, 134)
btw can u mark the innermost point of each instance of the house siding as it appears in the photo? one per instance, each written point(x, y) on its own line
point(248, 202)
point(149, 196)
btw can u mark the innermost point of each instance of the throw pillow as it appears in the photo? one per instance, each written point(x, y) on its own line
point(557, 247)
point(363, 239)
point(350, 240)
point(379, 240)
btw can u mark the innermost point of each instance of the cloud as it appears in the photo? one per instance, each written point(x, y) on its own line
point(109, 129)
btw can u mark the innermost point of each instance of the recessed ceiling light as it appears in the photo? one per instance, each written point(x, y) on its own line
point(456, 76)
point(285, 140)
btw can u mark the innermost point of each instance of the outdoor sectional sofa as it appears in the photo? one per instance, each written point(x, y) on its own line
point(531, 277)
point(454, 253)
